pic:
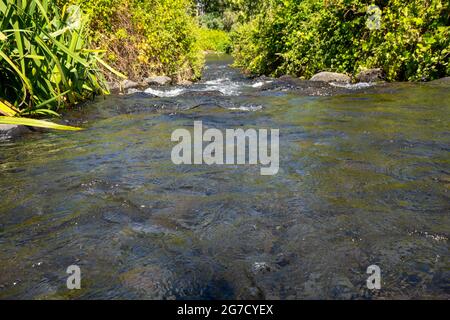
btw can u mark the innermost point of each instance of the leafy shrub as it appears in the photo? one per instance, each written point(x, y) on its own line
point(304, 37)
point(214, 40)
point(146, 37)
point(212, 21)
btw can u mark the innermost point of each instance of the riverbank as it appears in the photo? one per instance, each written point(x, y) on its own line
point(408, 41)
point(322, 84)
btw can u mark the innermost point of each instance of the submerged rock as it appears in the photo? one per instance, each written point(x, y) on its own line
point(283, 260)
point(444, 80)
point(282, 83)
point(8, 131)
point(343, 288)
point(147, 229)
point(210, 93)
point(441, 281)
point(149, 281)
point(370, 75)
point(261, 268)
point(115, 217)
point(157, 81)
point(307, 87)
point(331, 77)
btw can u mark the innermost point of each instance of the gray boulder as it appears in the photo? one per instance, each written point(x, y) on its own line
point(157, 81)
point(331, 77)
point(370, 75)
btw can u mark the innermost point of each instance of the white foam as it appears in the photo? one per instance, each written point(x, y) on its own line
point(224, 85)
point(356, 86)
point(230, 90)
point(260, 84)
point(247, 108)
point(163, 94)
point(217, 81)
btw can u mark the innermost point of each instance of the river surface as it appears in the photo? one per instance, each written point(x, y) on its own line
point(364, 180)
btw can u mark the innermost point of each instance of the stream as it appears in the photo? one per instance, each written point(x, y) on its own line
point(364, 180)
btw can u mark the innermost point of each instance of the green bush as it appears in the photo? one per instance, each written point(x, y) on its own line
point(304, 37)
point(214, 40)
point(146, 37)
point(212, 21)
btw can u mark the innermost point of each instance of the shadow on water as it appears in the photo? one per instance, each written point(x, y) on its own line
point(364, 179)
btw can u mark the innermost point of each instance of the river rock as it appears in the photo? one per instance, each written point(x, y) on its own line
point(370, 75)
point(288, 78)
point(185, 83)
point(261, 268)
point(128, 84)
point(115, 217)
point(157, 81)
point(343, 288)
point(12, 131)
point(283, 260)
point(444, 80)
point(133, 91)
point(149, 281)
point(441, 281)
point(147, 229)
point(113, 87)
point(331, 77)
point(209, 93)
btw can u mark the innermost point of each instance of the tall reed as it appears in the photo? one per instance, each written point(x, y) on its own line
point(45, 61)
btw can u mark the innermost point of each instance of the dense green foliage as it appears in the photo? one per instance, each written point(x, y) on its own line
point(51, 50)
point(146, 37)
point(44, 58)
point(224, 14)
point(214, 40)
point(304, 37)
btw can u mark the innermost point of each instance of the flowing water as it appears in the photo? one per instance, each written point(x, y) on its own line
point(364, 180)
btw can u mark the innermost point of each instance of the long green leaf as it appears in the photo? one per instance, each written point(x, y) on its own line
point(43, 10)
point(36, 123)
point(53, 99)
point(7, 109)
point(25, 80)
